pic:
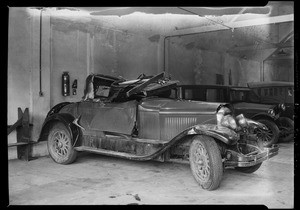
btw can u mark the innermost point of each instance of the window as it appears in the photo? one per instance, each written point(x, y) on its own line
point(271, 92)
point(102, 91)
point(215, 95)
point(259, 91)
point(266, 92)
point(275, 91)
point(281, 91)
point(188, 94)
point(238, 95)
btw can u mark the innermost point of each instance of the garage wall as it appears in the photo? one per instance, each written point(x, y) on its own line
point(84, 49)
point(279, 70)
point(19, 69)
point(192, 65)
point(69, 53)
point(24, 70)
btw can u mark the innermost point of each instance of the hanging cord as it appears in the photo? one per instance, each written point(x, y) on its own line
point(41, 19)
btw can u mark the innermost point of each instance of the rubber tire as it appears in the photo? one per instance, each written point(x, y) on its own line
point(71, 153)
point(215, 161)
point(291, 124)
point(274, 129)
point(249, 169)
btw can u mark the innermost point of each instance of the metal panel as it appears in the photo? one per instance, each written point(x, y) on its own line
point(171, 125)
point(148, 124)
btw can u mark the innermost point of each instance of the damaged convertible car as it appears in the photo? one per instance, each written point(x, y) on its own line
point(137, 120)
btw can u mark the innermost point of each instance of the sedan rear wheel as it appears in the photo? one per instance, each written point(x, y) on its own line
point(60, 145)
point(206, 162)
point(270, 136)
point(286, 127)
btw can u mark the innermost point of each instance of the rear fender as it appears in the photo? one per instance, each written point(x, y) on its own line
point(57, 108)
point(64, 118)
point(264, 116)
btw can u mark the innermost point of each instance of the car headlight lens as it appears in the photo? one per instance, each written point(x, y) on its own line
point(271, 112)
point(225, 119)
point(282, 107)
point(241, 120)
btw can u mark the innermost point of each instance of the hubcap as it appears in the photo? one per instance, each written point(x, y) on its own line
point(201, 163)
point(285, 129)
point(265, 136)
point(61, 143)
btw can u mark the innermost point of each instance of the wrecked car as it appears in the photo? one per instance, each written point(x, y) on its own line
point(137, 120)
point(239, 98)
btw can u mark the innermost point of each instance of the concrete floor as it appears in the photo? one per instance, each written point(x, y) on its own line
point(95, 180)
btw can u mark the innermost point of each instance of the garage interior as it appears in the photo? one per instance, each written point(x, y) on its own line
point(195, 45)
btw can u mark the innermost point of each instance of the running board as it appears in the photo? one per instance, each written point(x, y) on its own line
point(114, 153)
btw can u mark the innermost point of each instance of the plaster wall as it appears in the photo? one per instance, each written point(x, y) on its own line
point(69, 52)
point(279, 70)
point(19, 69)
point(25, 89)
point(193, 65)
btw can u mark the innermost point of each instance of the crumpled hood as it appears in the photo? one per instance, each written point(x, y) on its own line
point(179, 106)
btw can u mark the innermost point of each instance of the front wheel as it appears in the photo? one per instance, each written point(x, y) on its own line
point(206, 162)
point(60, 145)
point(286, 127)
point(270, 136)
point(249, 169)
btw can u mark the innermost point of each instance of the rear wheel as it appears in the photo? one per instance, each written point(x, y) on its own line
point(270, 136)
point(286, 128)
point(206, 162)
point(60, 145)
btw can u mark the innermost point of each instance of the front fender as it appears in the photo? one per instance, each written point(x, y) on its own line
point(221, 133)
point(64, 118)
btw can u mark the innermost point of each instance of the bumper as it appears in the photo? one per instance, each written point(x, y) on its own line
point(251, 160)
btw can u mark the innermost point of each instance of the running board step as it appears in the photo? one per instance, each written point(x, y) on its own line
point(113, 153)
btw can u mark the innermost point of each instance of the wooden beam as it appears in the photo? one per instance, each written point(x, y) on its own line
point(282, 41)
point(289, 57)
point(238, 24)
point(260, 47)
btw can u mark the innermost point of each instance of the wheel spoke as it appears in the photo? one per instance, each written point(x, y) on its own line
point(201, 162)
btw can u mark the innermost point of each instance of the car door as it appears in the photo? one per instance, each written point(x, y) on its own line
point(108, 117)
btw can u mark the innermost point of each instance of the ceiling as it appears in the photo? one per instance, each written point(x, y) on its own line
point(257, 33)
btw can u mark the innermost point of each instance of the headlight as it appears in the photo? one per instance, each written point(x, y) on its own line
point(241, 120)
point(282, 107)
point(225, 119)
point(271, 112)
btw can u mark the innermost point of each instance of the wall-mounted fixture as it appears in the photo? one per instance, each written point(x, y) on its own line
point(65, 84)
point(244, 57)
point(74, 87)
point(281, 53)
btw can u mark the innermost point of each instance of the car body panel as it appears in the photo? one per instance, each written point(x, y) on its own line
point(164, 118)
